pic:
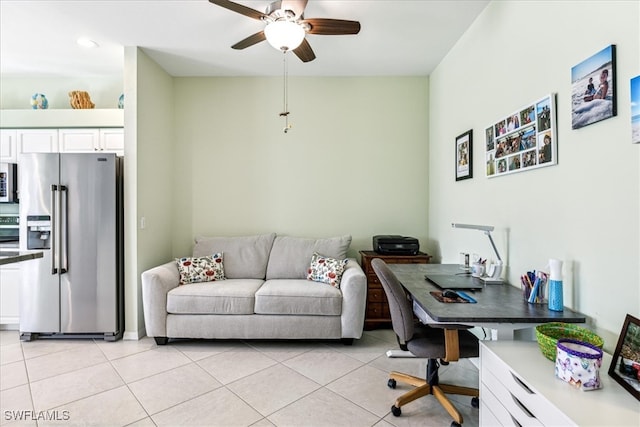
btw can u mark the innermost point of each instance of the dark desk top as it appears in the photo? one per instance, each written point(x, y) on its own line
point(8, 256)
point(497, 303)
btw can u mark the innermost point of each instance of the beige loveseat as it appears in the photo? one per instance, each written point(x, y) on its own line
point(265, 293)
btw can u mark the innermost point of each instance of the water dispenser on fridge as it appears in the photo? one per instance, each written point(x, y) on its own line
point(38, 232)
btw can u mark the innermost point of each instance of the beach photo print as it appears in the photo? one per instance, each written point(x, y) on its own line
point(593, 91)
point(635, 110)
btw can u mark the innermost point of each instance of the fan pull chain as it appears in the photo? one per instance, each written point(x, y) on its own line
point(285, 100)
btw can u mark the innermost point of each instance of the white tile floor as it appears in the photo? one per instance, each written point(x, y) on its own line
point(215, 383)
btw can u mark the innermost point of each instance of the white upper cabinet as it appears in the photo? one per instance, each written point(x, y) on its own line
point(108, 140)
point(92, 140)
point(8, 146)
point(79, 140)
point(112, 140)
point(61, 131)
point(37, 140)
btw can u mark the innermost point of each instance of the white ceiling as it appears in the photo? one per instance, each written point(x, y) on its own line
point(193, 37)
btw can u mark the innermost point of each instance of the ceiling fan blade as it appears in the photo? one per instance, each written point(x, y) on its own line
point(296, 6)
point(243, 10)
point(332, 27)
point(304, 51)
point(250, 41)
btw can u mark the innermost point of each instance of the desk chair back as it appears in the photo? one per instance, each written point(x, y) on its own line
point(399, 304)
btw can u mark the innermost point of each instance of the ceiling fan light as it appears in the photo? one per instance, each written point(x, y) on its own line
point(284, 35)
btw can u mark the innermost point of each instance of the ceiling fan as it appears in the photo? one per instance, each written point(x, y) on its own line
point(286, 26)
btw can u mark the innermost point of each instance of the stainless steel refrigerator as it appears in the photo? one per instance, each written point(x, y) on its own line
point(71, 208)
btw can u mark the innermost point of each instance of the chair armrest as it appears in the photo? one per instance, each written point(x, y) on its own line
point(156, 283)
point(354, 300)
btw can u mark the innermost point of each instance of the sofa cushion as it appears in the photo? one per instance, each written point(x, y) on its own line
point(245, 257)
point(231, 296)
point(298, 296)
point(290, 256)
point(326, 270)
point(201, 269)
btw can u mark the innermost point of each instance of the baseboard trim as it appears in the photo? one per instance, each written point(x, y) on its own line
point(135, 335)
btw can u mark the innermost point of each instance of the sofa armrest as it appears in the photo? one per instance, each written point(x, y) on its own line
point(354, 300)
point(156, 283)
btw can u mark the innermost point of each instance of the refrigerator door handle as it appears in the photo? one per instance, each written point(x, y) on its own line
point(64, 232)
point(54, 230)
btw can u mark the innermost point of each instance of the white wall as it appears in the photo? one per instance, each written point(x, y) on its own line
point(585, 210)
point(355, 161)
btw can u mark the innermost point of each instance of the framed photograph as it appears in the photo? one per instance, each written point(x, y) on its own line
point(625, 365)
point(523, 140)
point(635, 110)
point(464, 160)
point(593, 88)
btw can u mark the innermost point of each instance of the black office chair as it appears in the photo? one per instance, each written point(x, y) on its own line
point(448, 343)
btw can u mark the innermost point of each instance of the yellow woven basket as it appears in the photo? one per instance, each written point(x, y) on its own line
point(548, 335)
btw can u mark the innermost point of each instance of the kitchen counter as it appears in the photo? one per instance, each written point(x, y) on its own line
point(9, 256)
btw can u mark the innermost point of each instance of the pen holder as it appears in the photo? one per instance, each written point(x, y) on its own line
point(534, 288)
point(477, 269)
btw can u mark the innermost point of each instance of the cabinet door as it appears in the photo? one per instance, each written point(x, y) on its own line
point(8, 146)
point(9, 294)
point(112, 140)
point(37, 140)
point(79, 140)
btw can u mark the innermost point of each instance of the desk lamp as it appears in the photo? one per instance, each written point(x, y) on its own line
point(496, 270)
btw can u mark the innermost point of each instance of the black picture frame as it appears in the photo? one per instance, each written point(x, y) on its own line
point(464, 155)
point(625, 364)
point(588, 79)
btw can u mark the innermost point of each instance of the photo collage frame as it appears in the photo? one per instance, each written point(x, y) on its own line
point(523, 140)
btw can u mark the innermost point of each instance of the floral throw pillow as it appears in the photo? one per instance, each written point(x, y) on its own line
point(202, 269)
point(326, 270)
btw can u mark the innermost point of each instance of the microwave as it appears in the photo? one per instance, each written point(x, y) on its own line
point(8, 182)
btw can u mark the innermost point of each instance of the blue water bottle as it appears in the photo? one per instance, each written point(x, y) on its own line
point(556, 302)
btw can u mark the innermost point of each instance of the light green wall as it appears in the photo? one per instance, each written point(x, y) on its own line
point(149, 176)
point(354, 162)
point(16, 92)
point(585, 210)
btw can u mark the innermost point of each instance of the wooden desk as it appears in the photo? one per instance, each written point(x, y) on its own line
point(377, 313)
point(500, 306)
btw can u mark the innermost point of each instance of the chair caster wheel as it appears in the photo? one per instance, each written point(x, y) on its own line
point(455, 424)
point(475, 402)
point(396, 411)
point(391, 383)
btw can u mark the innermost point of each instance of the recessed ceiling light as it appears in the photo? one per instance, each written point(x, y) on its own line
point(86, 42)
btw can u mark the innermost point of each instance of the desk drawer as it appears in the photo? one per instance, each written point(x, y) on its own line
point(373, 279)
point(378, 310)
point(504, 405)
point(377, 295)
point(515, 394)
point(487, 419)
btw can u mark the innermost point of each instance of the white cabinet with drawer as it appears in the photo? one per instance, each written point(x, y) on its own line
point(518, 387)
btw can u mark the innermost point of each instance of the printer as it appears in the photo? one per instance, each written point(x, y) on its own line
point(395, 245)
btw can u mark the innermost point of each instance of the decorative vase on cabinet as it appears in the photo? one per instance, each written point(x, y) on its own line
point(39, 101)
